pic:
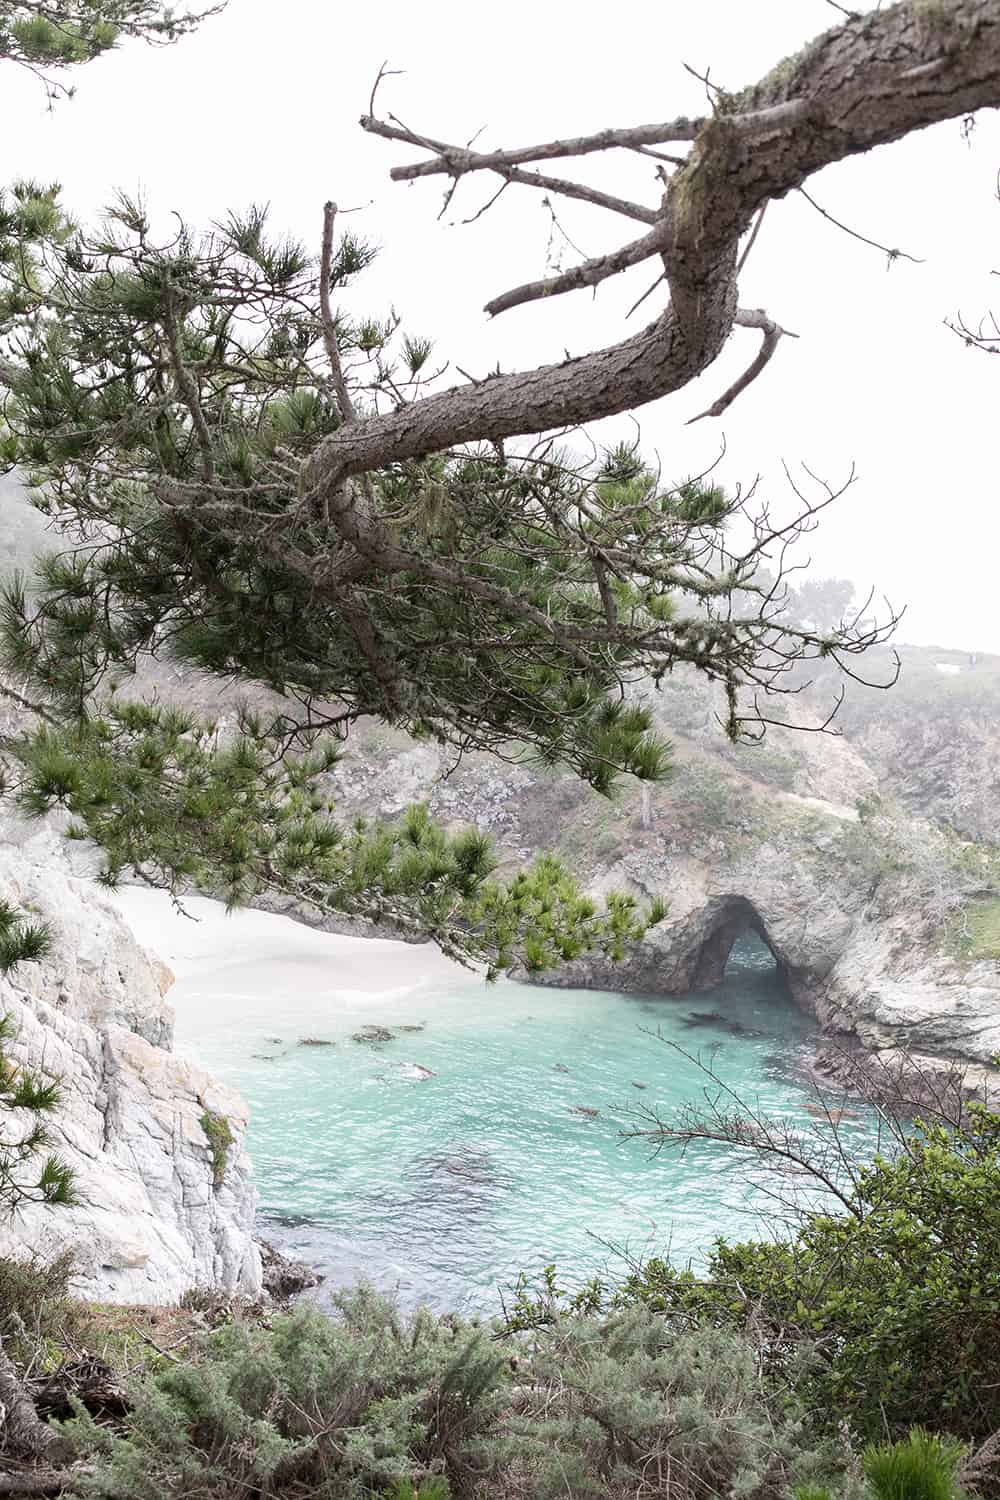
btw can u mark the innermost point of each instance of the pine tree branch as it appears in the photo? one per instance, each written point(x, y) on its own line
point(861, 85)
point(589, 273)
point(456, 161)
point(449, 158)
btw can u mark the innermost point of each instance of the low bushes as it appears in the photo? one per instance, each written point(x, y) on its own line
point(899, 1292)
point(346, 1407)
point(365, 1405)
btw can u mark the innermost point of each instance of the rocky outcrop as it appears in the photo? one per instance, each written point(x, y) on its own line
point(159, 1209)
point(768, 841)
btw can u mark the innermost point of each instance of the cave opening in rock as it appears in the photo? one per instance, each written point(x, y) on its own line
point(733, 923)
point(749, 951)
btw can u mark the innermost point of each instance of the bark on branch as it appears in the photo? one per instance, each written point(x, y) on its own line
point(22, 1432)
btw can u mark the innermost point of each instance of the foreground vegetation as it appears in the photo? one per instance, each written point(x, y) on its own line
point(855, 1357)
point(364, 1404)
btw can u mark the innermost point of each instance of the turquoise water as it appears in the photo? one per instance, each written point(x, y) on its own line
point(442, 1188)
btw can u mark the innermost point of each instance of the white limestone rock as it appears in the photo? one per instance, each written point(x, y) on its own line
point(151, 1221)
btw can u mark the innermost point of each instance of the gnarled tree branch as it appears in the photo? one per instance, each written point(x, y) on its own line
point(864, 84)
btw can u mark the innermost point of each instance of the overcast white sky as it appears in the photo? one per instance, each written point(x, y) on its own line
point(262, 105)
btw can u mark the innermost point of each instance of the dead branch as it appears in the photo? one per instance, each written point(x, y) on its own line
point(976, 338)
point(22, 1432)
point(459, 160)
point(589, 273)
point(39, 1481)
point(344, 402)
point(755, 231)
point(682, 128)
point(982, 1466)
point(749, 318)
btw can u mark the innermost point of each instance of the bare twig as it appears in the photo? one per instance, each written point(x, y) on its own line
point(755, 231)
point(647, 293)
point(682, 128)
point(892, 254)
point(384, 72)
point(6, 691)
point(167, 1354)
point(457, 161)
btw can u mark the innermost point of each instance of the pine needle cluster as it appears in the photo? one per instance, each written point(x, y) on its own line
point(172, 798)
point(176, 402)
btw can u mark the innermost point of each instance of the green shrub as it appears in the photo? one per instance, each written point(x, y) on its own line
point(334, 1408)
point(431, 1489)
point(220, 1137)
point(920, 1468)
point(626, 1406)
point(900, 1291)
point(33, 1302)
point(368, 1406)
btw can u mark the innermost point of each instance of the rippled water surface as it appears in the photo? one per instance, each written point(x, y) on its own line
point(510, 1155)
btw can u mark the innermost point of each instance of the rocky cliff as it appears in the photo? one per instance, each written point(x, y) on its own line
point(884, 921)
point(156, 1145)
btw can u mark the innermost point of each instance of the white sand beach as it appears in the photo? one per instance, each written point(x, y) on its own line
point(259, 971)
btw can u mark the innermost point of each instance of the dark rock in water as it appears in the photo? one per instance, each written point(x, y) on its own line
point(373, 1034)
point(419, 1027)
point(462, 1182)
point(275, 1041)
point(638, 1085)
point(560, 1068)
point(718, 1022)
point(315, 1041)
point(460, 1162)
point(828, 1112)
point(284, 1278)
point(583, 1109)
point(267, 1056)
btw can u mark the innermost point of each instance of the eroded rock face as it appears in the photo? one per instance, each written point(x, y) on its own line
point(765, 840)
point(151, 1222)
